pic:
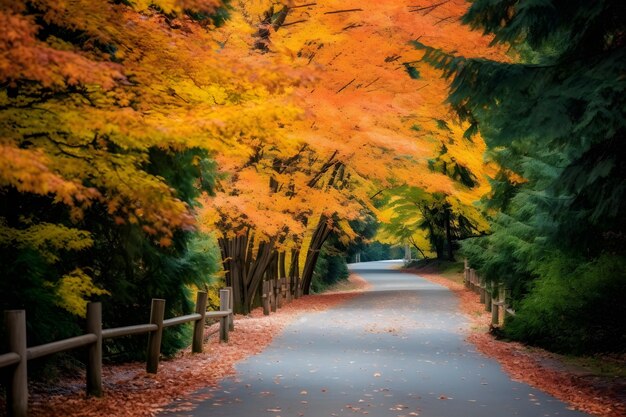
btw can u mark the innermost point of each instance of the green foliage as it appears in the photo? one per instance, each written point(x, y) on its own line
point(412, 71)
point(330, 268)
point(28, 289)
point(555, 121)
point(366, 229)
point(216, 17)
point(377, 251)
point(441, 218)
point(442, 124)
point(136, 269)
point(577, 310)
point(122, 259)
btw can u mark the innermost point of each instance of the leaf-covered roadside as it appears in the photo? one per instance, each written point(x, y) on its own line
point(600, 396)
point(130, 392)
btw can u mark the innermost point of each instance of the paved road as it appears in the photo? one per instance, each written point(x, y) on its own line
point(396, 350)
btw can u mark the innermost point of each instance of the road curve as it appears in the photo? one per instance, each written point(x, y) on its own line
point(397, 350)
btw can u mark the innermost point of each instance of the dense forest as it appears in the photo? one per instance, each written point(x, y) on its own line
point(150, 149)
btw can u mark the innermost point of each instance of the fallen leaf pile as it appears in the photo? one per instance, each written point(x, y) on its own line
point(131, 392)
point(594, 395)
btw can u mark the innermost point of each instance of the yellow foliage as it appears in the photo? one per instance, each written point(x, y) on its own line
point(74, 290)
point(47, 238)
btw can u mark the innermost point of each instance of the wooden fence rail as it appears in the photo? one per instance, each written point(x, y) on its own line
point(494, 295)
point(19, 354)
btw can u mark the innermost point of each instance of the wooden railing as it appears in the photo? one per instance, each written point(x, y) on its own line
point(495, 296)
point(19, 354)
point(276, 292)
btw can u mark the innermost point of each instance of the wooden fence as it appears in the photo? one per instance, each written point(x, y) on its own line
point(495, 296)
point(19, 354)
point(276, 292)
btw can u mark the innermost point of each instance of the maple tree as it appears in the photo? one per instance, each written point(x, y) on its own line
point(283, 198)
point(109, 114)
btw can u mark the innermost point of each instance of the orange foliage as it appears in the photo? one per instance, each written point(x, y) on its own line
point(136, 79)
point(362, 108)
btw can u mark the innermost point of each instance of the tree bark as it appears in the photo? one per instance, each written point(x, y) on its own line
point(449, 234)
point(294, 273)
point(244, 270)
point(321, 233)
point(282, 271)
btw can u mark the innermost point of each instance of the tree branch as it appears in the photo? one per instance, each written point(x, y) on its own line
point(344, 11)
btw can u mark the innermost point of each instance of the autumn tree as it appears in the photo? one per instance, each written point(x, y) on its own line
point(437, 221)
point(359, 132)
point(110, 117)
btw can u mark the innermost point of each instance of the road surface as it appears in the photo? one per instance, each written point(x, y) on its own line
point(396, 350)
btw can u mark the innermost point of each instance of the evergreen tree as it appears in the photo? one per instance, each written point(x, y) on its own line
point(555, 121)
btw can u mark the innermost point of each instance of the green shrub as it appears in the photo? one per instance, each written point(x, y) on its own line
point(575, 309)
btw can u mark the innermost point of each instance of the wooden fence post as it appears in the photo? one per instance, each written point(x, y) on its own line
point(481, 289)
point(273, 300)
point(224, 301)
point(278, 294)
point(488, 295)
point(505, 305)
point(94, 361)
point(283, 290)
point(466, 273)
point(198, 326)
point(475, 284)
point(231, 303)
point(502, 304)
point(17, 387)
point(298, 287)
point(495, 308)
point(266, 298)
point(289, 286)
point(157, 312)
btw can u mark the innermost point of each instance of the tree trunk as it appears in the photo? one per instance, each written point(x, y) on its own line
point(258, 267)
point(418, 248)
point(244, 271)
point(449, 234)
point(282, 270)
point(321, 233)
point(436, 241)
point(233, 251)
point(294, 273)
